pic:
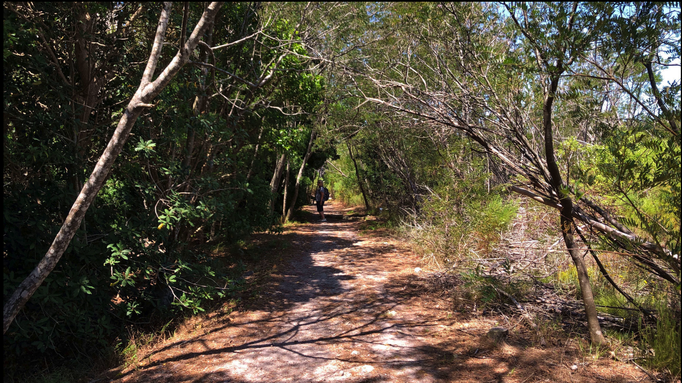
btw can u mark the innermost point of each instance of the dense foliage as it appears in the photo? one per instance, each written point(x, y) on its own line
point(430, 114)
point(196, 170)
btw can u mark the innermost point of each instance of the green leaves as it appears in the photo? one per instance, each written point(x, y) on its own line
point(166, 194)
point(118, 252)
point(132, 308)
point(125, 278)
point(85, 286)
point(147, 147)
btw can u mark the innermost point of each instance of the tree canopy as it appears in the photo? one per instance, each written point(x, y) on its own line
point(175, 129)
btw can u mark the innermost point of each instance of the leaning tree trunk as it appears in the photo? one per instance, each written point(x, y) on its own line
point(147, 91)
point(357, 173)
point(299, 176)
point(567, 223)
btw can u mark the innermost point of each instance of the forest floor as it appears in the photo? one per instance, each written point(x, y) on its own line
point(341, 304)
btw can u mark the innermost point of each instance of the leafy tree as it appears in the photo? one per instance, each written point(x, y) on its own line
point(180, 180)
point(511, 78)
point(146, 92)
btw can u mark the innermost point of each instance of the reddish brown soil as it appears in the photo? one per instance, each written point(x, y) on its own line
point(345, 305)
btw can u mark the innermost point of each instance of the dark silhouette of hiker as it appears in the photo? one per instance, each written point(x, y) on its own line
point(321, 195)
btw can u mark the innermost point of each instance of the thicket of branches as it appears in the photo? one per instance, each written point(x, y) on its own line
point(563, 99)
point(438, 112)
point(226, 90)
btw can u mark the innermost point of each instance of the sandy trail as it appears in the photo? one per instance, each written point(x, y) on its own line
point(346, 308)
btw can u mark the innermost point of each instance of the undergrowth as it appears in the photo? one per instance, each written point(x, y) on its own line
point(448, 233)
point(474, 240)
point(125, 351)
point(658, 343)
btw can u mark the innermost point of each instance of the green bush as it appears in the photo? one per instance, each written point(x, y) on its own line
point(143, 250)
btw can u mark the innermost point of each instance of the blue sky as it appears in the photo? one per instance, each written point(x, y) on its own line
point(672, 73)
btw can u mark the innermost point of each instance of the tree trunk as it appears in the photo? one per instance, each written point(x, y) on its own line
point(86, 94)
point(286, 191)
point(596, 336)
point(274, 183)
point(91, 79)
point(255, 153)
point(299, 176)
point(198, 107)
point(147, 91)
point(189, 145)
point(357, 173)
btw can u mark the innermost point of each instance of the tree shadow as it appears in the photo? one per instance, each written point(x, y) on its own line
point(295, 343)
point(336, 309)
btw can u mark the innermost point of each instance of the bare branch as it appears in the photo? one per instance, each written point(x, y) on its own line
point(158, 44)
point(634, 98)
point(238, 41)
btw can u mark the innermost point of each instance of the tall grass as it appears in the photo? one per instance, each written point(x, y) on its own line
point(664, 339)
point(447, 232)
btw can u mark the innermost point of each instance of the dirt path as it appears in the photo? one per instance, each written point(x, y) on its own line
point(352, 308)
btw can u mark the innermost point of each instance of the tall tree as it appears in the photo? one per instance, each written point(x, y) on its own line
point(146, 92)
point(496, 73)
point(297, 185)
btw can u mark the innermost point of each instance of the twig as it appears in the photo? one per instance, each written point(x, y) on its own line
point(619, 308)
point(339, 170)
point(528, 378)
point(460, 330)
point(525, 313)
point(653, 378)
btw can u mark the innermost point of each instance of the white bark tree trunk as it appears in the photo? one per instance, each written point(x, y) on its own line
point(286, 191)
point(147, 91)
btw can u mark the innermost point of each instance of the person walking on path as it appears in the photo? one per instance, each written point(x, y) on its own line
point(321, 195)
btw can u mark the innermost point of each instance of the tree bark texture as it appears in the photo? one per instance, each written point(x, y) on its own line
point(286, 190)
point(276, 177)
point(147, 91)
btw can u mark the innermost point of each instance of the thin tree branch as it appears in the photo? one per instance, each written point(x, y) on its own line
point(337, 169)
point(634, 98)
point(158, 44)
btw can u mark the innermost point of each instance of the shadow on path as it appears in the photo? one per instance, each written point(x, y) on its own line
point(343, 309)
